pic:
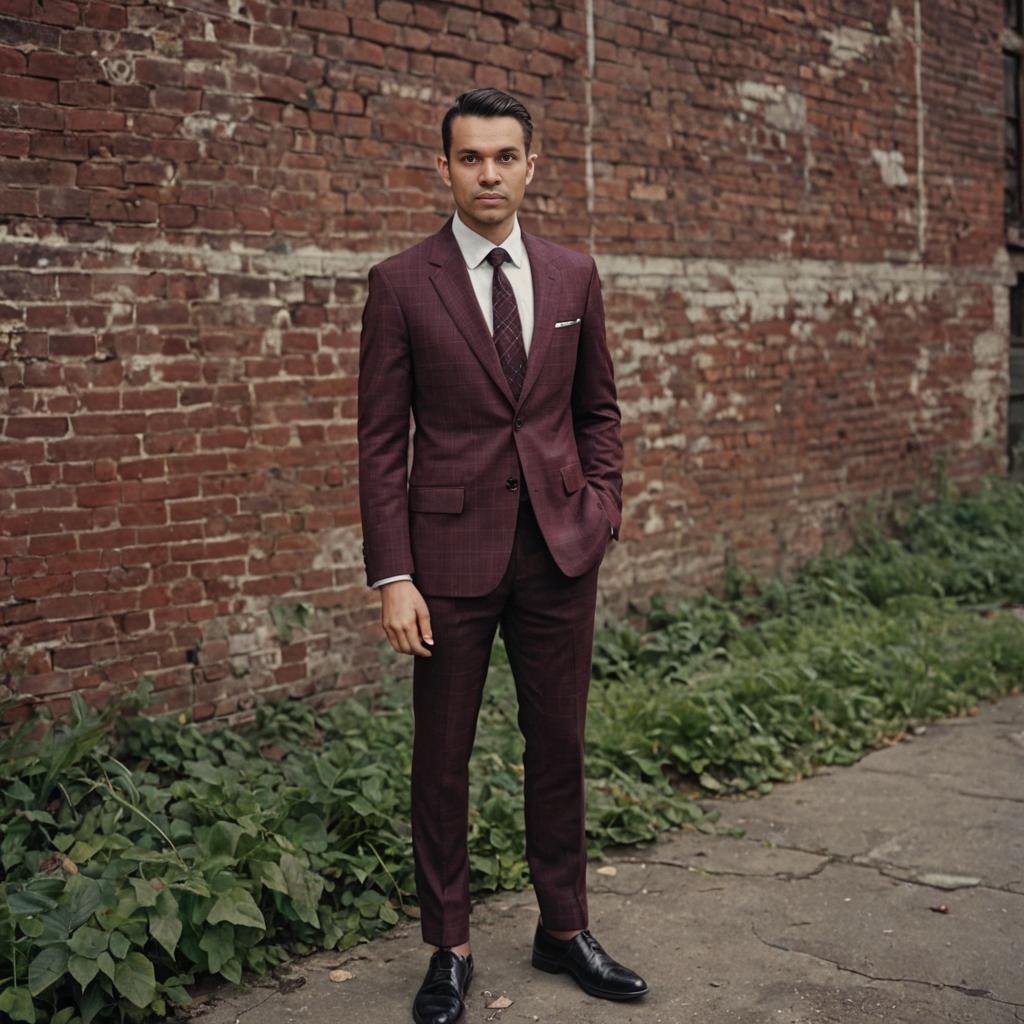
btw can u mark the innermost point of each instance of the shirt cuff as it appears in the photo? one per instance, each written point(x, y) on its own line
point(390, 579)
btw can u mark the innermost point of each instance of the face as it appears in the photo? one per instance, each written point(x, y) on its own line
point(488, 173)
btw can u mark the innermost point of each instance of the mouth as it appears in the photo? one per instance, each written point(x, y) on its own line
point(490, 198)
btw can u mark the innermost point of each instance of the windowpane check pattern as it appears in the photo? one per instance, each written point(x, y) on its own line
point(508, 330)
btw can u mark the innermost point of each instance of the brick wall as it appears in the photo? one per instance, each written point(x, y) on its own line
point(796, 209)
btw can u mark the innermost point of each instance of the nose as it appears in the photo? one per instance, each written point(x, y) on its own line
point(489, 173)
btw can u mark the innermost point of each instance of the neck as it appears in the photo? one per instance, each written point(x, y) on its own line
point(494, 233)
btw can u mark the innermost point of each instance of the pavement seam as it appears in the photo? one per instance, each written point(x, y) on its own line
point(888, 869)
point(938, 776)
point(974, 993)
point(864, 860)
point(697, 869)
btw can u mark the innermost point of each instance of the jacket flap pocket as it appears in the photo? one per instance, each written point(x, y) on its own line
point(572, 477)
point(436, 499)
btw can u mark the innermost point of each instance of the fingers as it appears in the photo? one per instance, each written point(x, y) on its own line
point(405, 639)
point(423, 620)
point(406, 620)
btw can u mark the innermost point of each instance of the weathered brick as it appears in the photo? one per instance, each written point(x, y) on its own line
point(322, 21)
point(177, 438)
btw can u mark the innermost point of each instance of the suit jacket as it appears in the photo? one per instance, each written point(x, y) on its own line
point(449, 520)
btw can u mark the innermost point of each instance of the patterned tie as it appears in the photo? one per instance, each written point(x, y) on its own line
point(508, 331)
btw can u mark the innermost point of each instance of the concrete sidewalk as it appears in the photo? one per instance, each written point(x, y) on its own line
point(892, 890)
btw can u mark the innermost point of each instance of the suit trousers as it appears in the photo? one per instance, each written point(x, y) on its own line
point(547, 624)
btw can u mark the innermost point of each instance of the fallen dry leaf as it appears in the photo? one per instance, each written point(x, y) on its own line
point(501, 1003)
point(340, 975)
point(940, 909)
point(609, 870)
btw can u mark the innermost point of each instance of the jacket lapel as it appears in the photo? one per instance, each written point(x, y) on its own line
point(545, 278)
point(451, 279)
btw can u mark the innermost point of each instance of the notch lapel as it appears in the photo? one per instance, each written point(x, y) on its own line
point(451, 280)
point(545, 276)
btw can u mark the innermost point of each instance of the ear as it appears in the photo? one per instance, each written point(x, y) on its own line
point(442, 169)
point(531, 163)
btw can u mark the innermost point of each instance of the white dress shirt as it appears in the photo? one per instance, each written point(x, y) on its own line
point(481, 274)
point(516, 268)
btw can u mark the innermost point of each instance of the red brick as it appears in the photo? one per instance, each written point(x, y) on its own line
point(13, 143)
point(322, 21)
point(56, 65)
point(36, 426)
point(35, 90)
point(12, 62)
point(98, 14)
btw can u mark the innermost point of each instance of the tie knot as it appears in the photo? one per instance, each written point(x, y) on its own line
point(497, 256)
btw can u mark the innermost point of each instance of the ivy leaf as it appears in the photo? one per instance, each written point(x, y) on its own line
point(303, 886)
point(88, 942)
point(221, 840)
point(82, 969)
point(18, 791)
point(309, 833)
point(27, 902)
point(84, 849)
point(134, 979)
point(237, 906)
point(269, 873)
point(144, 892)
point(17, 1004)
point(44, 817)
point(166, 929)
point(83, 897)
point(105, 962)
point(195, 885)
point(47, 967)
point(219, 945)
point(232, 970)
point(119, 945)
point(708, 781)
point(92, 1001)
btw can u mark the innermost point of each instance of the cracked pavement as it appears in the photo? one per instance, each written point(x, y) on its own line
point(891, 890)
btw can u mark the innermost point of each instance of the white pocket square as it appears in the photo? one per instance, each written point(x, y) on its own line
point(569, 323)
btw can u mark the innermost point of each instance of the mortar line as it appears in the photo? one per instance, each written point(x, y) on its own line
point(588, 127)
point(922, 199)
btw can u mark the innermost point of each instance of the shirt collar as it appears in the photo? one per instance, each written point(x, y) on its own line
point(475, 247)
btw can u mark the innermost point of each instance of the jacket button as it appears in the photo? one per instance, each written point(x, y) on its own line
point(519, 423)
point(512, 483)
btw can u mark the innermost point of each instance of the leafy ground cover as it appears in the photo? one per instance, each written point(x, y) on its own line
point(140, 855)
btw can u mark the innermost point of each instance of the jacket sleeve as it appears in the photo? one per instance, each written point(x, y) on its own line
point(384, 397)
point(595, 410)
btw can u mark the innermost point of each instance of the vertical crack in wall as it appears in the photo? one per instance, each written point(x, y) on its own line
point(588, 133)
point(922, 200)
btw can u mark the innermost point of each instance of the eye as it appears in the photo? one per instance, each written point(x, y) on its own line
point(469, 158)
point(508, 157)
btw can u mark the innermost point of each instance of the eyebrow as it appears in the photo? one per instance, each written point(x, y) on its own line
point(467, 151)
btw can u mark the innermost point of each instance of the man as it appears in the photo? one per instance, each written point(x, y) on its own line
point(495, 340)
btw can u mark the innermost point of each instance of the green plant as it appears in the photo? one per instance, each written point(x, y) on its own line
point(140, 854)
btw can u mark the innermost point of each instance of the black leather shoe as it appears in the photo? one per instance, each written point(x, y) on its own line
point(439, 1000)
point(585, 959)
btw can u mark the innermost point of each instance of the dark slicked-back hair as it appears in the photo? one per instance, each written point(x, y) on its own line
point(486, 103)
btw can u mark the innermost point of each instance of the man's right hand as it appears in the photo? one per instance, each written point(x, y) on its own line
point(404, 616)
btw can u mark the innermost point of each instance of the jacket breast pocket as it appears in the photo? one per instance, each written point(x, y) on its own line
point(443, 500)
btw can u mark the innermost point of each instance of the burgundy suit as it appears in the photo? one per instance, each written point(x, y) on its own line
point(480, 557)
